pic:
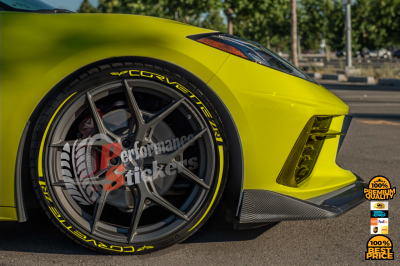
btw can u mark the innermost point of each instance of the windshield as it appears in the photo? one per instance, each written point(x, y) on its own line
point(24, 5)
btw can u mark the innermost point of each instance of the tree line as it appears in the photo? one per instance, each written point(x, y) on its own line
point(375, 23)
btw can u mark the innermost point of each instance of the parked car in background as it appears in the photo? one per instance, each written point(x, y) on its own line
point(381, 53)
point(342, 53)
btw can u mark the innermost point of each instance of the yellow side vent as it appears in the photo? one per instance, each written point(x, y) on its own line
point(302, 158)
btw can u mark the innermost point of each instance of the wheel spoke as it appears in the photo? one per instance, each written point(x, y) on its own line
point(96, 179)
point(134, 107)
point(95, 114)
point(100, 173)
point(169, 157)
point(101, 180)
point(62, 184)
point(158, 117)
point(163, 202)
point(98, 120)
point(141, 192)
point(96, 143)
point(98, 209)
point(144, 129)
point(137, 213)
point(186, 172)
point(190, 142)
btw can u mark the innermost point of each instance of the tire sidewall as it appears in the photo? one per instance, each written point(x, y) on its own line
point(86, 83)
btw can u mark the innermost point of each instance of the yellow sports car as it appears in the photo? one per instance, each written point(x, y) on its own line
point(132, 129)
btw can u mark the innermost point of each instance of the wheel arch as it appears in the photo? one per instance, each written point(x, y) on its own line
point(24, 192)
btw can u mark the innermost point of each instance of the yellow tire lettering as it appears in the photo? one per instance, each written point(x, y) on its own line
point(160, 77)
point(101, 245)
point(132, 249)
point(206, 112)
point(133, 75)
point(171, 83)
point(119, 73)
point(91, 240)
point(145, 247)
point(181, 88)
point(143, 75)
point(44, 190)
point(120, 249)
point(79, 234)
point(55, 212)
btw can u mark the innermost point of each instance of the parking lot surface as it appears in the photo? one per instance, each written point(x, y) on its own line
point(372, 147)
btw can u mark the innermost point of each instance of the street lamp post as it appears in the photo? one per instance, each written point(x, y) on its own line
point(349, 70)
point(348, 32)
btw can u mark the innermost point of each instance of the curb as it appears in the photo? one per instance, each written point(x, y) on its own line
point(365, 80)
point(368, 80)
point(389, 82)
point(311, 64)
point(339, 77)
point(315, 75)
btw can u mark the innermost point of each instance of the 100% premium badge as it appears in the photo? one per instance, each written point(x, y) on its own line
point(379, 248)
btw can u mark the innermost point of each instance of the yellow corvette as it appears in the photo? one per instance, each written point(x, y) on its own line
point(132, 129)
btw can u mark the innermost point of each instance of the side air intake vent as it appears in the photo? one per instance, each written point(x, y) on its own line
point(302, 158)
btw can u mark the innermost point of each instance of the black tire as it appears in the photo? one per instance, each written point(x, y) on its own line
point(50, 196)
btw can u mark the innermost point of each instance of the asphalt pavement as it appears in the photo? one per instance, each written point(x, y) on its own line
point(372, 147)
point(367, 100)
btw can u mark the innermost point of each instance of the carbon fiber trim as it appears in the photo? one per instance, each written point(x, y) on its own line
point(345, 127)
point(263, 206)
point(267, 206)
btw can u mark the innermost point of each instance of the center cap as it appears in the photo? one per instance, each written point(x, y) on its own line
point(131, 164)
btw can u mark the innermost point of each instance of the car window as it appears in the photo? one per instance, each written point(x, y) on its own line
point(21, 5)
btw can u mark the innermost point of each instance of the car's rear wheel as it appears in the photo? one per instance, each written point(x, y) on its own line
point(128, 159)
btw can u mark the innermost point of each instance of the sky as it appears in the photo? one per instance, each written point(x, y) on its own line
point(72, 5)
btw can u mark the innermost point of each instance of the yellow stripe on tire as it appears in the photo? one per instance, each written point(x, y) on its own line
point(40, 161)
point(221, 169)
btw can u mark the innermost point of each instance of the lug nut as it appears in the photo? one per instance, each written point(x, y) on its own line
point(126, 143)
point(114, 161)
